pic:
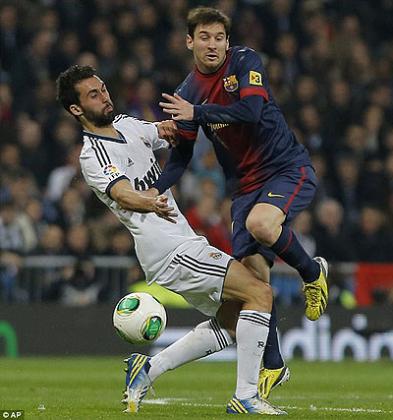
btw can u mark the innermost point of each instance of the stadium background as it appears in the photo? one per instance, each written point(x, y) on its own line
point(330, 66)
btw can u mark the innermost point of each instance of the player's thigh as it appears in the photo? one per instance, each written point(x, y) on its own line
point(228, 313)
point(242, 286)
point(291, 191)
point(258, 265)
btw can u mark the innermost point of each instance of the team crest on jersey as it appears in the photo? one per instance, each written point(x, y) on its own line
point(230, 83)
point(111, 171)
point(255, 78)
point(215, 255)
point(146, 143)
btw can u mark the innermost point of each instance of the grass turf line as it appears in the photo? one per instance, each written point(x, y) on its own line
point(91, 388)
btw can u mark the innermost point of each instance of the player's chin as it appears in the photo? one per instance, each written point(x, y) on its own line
point(105, 119)
point(212, 65)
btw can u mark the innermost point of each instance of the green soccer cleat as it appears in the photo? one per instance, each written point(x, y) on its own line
point(254, 405)
point(316, 293)
point(270, 378)
point(137, 381)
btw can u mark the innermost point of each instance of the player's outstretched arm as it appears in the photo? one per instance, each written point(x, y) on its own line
point(246, 110)
point(129, 199)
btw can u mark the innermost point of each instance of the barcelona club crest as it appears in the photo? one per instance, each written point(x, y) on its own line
point(230, 83)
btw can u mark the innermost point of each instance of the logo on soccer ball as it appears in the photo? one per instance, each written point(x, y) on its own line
point(152, 328)
point(215, 255)
point(111, 171)
point(230, 83)
point(127, 305)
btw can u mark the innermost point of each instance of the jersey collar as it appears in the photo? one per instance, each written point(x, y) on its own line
point(121, 138)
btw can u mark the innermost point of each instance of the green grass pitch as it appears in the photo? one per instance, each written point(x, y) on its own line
point(91, 388)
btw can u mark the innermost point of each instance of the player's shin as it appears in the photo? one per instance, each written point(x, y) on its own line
point(251, 336)
point(206, 338)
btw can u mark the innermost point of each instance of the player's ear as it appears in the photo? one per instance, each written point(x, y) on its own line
point(189, 42)
point(76, 110)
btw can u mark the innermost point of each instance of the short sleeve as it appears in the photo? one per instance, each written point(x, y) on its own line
point(147, 131)
point(100, 171)
point(152, 135)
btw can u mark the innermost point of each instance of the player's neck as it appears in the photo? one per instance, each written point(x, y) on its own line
point(106, 131)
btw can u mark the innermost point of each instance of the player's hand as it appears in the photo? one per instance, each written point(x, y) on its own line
point(179, 108)
point(162, 210)
point(167, 130)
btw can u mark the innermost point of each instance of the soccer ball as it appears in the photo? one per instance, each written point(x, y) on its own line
point(139, 318)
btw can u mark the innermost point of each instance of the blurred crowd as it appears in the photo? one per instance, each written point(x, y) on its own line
point(330, 66)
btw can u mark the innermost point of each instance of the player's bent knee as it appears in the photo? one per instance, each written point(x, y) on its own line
point(261, 229)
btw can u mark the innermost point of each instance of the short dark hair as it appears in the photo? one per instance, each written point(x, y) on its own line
point(65, 84)
point(206, 15)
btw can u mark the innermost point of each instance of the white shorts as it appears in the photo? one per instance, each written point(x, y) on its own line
point(197, 272)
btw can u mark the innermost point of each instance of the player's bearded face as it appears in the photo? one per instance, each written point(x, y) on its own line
point(209, 46)
point(102, 117)
point(95, 102)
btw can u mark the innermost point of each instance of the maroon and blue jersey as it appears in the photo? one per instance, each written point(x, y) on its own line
point(236, 110)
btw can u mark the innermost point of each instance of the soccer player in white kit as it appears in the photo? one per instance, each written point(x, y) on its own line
point(118, 163)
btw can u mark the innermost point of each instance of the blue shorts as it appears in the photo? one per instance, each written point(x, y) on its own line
point(292, 191)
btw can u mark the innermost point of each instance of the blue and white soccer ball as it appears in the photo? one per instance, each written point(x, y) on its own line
point(139, 318)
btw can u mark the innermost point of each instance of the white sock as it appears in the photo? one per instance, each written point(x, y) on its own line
point(251, 335)
point(206, 338)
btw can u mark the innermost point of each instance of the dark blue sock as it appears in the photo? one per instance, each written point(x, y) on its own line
point(272, 358)
point(288, 248)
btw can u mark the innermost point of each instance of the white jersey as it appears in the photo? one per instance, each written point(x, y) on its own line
point(106, 160)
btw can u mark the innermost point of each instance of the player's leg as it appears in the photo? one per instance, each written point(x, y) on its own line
point(215, 334)
point(272, 358)
point(273, 372)
point(252, 327)
point(258, 259)
point(252, 330)
point(280, 200)
point(197, 273)
point(206, 338)
point(210, 336)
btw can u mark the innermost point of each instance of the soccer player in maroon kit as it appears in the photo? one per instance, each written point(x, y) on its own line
point(228, 96)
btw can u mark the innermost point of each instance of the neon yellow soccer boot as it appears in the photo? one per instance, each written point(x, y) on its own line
point(270, 379)
point(316, 292)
